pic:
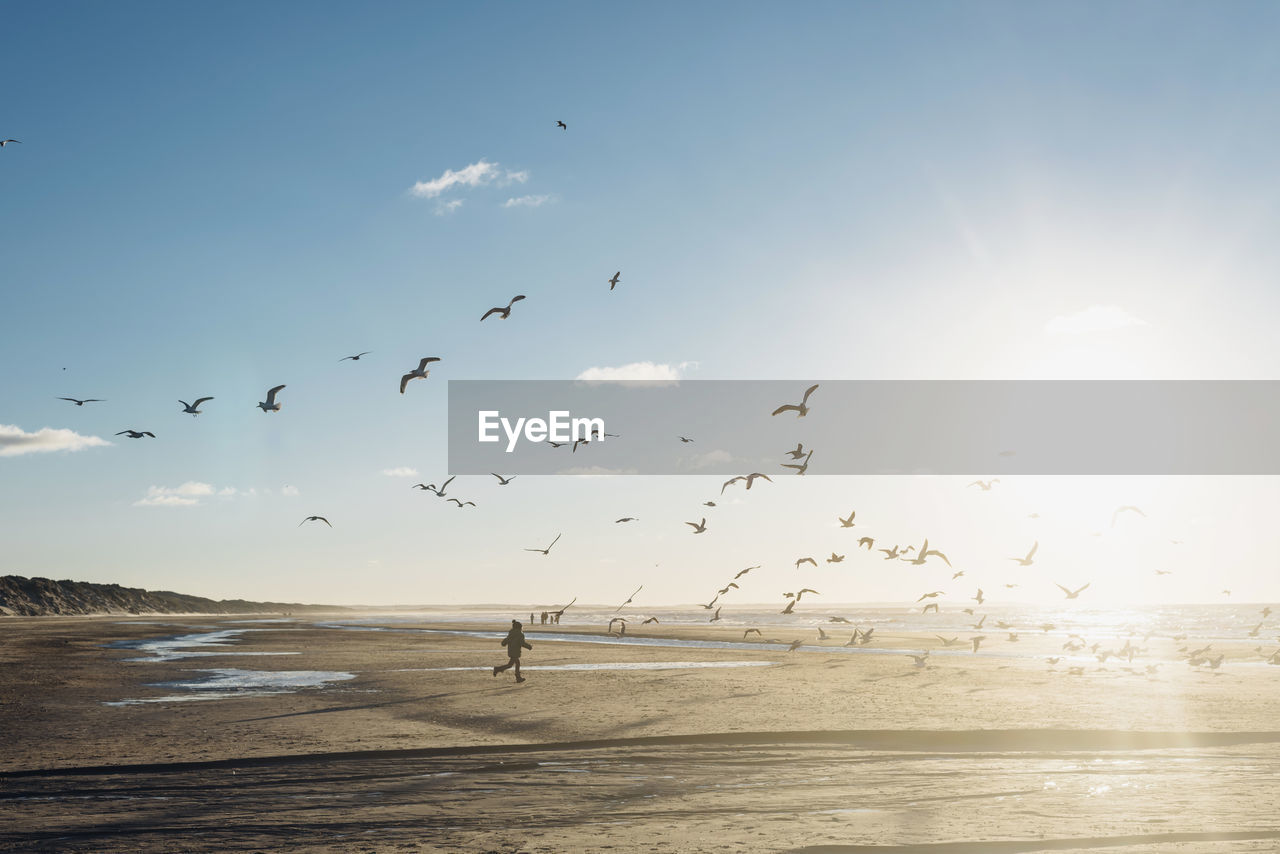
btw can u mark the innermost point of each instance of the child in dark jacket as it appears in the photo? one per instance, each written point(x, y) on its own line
point(515, 644)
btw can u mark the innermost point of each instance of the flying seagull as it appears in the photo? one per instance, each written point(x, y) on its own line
point(681, 438)
point(806, 560)
point(614, 281)
point(462, 504)
point(356, 357)
point(419, 373)
point(561, 125)
point(626, 519)
point(869, 542)
point(1071, 594)
point(270, 405)
point(848, 523)
point(82, 402)
point(431, 487)
point(136, 434)
point(4, 142)
point(503, 481)
point(1026, 561)
point(698, 527)
point(801, 409)
point(835, 558)
point(800, 468)
point(798, 452)
point(504, 312)
point(193, 408)
point(745, 571)
point(314, 519)
point(547, 550)
point(749, 478)
point(633, 595)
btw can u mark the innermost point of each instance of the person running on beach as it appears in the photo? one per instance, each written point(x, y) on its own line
point(515, 644)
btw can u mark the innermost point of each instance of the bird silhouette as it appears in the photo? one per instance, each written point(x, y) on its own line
point(561, 125)
point(613, 283)
point(356, 357)
point(698, 527)
point(418, 373)
point(193, 408)
point(801, 409)
point(271, 404)
point(547, 550)
point(314, 519)
point(504, 312)
point(82, 402)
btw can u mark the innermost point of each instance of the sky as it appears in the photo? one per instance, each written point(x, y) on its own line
point(214, 199)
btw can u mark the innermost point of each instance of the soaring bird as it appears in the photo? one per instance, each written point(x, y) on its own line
point(1027, 561)
point(745, 571)
point(948, 641)
point(505, 312)
point(431, 487)
point(749, 631)
point(800, 468)
point(822, 634)
point(4, 142)
point(925, 553)
point(632, 596)
point(730, 586)
point(684, 440)
point(314, 519)
point(848, 523)
point(1120, 510)
point(418, 373)
point(934, 595)
point(798, 452)
point(1071, 594)
point(356, 357)
point(716, 617)
point(708, 504)
point(503, 481)
point(83, 402)
point(921, 660)
point(791, 606)
point(698, 527)
point(622, 620)
point(795, 644)
point(650, 620)
point(801, 409)
point(806, 560)
point(749, 478)
point(712, 603)
point(957, 574)
point(561, 125)
point(978, 598)
point(136, 434)
point(869, 542)
point(933, 605)
point(613, 283)
point(547, 550)
point(892, 554)
point(462, 504)
point(985, 485)
point(977, 641)
point(270, 404)
point(835, 558)
point(193, 408)
point(626, 519)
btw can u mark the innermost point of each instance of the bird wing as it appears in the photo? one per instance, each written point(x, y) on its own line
point(1081, 590)
point(1034, 546)
point(489, 312)
point(447, 482)
point(326, 521)
point(271, 395)
point(426, 360)
point(789, 407)
point(404, 381)
point(556, 540)
point(515, 299)
point(1060, 587)
point(810, 390)
point(199, 401)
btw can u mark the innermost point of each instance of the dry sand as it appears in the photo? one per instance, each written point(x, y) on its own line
point(817, 751)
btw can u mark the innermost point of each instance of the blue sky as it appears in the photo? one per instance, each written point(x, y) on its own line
point(215, 199)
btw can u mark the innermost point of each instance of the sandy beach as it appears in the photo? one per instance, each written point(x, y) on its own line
point(391, 734)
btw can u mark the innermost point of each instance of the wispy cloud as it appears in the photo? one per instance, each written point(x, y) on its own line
point(527, 201)
point(186, 495)
point(709, 459)
point(480, 172)
point(1095, 318)
point(515, 177)
point(446, 208)
point(402, 471)
point(14, 441)
point(290, 491)
point(636, 371)
point(594, 471)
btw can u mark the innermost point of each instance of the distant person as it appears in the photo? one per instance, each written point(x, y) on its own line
point(515, 643)
point(531, 618)
point(543, 615)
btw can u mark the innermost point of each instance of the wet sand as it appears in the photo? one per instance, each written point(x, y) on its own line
point(816, 750)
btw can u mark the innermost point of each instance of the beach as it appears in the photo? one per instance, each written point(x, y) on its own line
point(384, 732)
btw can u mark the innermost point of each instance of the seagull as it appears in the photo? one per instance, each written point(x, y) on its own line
point(561, 125)
point(651, 620)
point(1071, 594)
point(698, 527)
point(314, 519)
point(891, 554)
point(790, 607)
point(193, 408)
point(622, 620)
point(731, 585)
point(921, 660)
point(985, 485)
point(848, 523)
point(431, 487)
point(1026, 561)
point(934, 595)
point(708, 504)
point(418, 373)
point(806, 560)
point(83, 402)
point(547, 550)
point(136, 434)
point(745, 571)
point(977, 627)
point(948, 641)
point(712, 603)
point(835, 558)
point(626, 519)
point(503, 481)
point(4, 142)
point(801, 409)
point(1266, 611)
point(979, 598)
point(270, 405)
point(716, 617)
point(800, 469)
point(798, 452)
point(462, 504)
point(356, 357)
point(749, 478)
point(749, 631)
point(977, 641)
point(684, 440)
point(795, 644)
point(613, 283)
point(933, 605)
point(957, 574)
point(504, 312)
point(632, 596)
point(925, 553)
point(822, 634)
point(1120, 510)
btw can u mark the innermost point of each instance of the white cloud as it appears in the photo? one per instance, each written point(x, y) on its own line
point(710, 459)
point(1096, 318)
point(594, 471)
point(186, 495)
point(516, 177)
point(14, 441)
point(526, 202)
point(227, 491)
point(290, 491)
point(445, 208)
point(643, 371)
point(402, 471)
point(480, 172)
